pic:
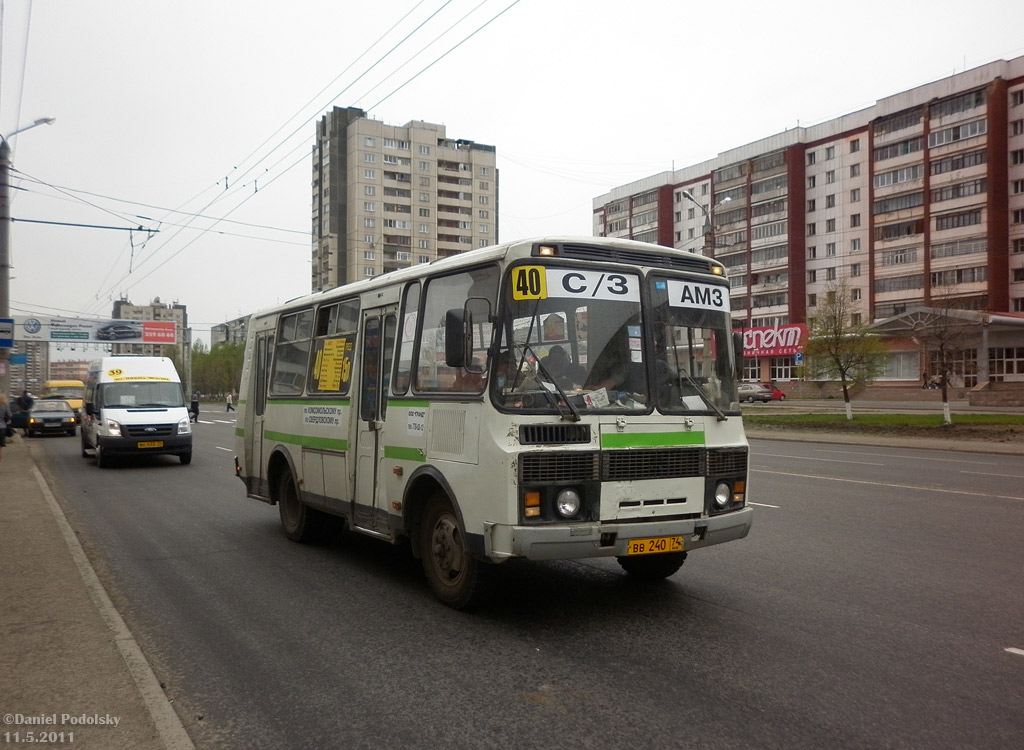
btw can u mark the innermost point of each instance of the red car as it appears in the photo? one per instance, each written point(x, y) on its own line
point(777, 394)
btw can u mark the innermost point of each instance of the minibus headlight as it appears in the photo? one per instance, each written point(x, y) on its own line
point(113, 428)
point(184, 428)
point(568, 503)
point(723, 494)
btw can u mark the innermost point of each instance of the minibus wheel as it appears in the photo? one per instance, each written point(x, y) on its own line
point(457, 578)
point(653, 567)
point(297, 520)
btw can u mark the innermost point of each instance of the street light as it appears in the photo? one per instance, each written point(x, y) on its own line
point(709, 228)
point(5, 243)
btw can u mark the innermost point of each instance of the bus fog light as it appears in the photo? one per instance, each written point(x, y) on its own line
point(723, 494)
point(568, 503)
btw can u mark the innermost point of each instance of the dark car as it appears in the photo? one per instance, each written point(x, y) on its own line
point(51, 416)
point(751, 392)
point(116, 331)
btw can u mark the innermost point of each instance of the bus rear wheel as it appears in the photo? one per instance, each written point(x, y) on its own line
point(457, 578)
point(297, 519)
point(653, 567)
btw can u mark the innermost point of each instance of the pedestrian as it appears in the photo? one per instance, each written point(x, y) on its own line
point(194, 407)
point(5, 423)
point(230, 403)
point(25, 403)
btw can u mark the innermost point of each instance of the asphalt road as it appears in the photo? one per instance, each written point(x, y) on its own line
point(872, 606)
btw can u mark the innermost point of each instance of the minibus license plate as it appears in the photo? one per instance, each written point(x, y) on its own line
point(151, 444)
point(654, 545)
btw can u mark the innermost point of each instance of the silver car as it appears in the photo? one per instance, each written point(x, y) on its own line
point(751, 392)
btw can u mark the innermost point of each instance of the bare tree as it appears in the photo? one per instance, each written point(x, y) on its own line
point(841, 349)
point(944, 329)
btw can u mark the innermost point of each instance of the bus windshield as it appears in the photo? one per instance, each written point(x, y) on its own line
point(576, 340)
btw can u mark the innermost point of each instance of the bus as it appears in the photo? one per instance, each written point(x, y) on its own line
point(550, 399)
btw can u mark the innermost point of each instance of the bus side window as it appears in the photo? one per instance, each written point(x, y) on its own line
point(406, 337)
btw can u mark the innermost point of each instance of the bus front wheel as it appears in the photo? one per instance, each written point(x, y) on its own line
point(653, 567)
point(457, 578)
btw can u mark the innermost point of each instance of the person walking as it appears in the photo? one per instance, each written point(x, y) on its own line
point(194, 407)
point(230, 403)
point(5, 423)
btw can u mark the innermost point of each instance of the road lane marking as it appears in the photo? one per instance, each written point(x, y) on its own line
point(222, 449)
point(990, 474)
point(972, 462)
point(764, 505)
point(894, 486)
point(1018, 651)
point(811, 458)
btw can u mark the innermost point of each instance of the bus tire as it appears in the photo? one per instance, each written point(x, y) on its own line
point(186, 458)
point(297, 519)
point(102, 462)
point(653, 567)
point(458, 579)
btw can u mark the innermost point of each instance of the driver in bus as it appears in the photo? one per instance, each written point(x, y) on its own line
point(565, 372)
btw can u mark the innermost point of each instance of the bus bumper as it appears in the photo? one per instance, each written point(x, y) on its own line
point(566, 542)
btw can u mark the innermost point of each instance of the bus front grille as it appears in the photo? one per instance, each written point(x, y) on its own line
point(652, 464)
point(727, 462)
point(553, 434)
point(549, 468)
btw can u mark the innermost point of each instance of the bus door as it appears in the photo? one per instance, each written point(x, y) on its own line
point(255, 413)
point(378, 343)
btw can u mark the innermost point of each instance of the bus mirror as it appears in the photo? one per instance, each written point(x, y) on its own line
point(737, 347)
point(456, 338)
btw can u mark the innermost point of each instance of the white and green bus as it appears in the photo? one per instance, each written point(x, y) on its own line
point(548, 399)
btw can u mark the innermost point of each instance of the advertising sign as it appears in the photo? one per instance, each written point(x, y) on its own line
point(779, 341)
point(6, 333)
point(81, 330)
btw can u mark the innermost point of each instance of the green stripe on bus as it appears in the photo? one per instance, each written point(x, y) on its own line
point(239, 432)
point(403, 454)
point(306, 441)
point(652, 439)
point(310, 401)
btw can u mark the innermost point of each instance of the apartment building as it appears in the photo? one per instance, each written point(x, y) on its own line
point(387, 197)
point(231, 332)
point(915, 202)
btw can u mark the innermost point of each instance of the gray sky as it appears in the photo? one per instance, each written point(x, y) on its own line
point(166, 110)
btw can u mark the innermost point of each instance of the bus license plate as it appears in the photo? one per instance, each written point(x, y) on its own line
point(654, 545)
point(151, 444)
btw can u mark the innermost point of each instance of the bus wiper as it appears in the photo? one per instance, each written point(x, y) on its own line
point(703, 394)
point(573, 411)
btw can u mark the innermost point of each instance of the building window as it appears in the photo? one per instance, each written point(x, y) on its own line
point(812, 229)
point(830, 176)
point(812, 300)
point(855, 145)
point(855, 170)
point(1017, 127)
point(369, 206)
point(830, 249)
point(810, 205)
point(485, 200)
point(830, 274)
point(369, 190)
point(369, 158)
point(855, 294)
point(369, 223)
point(810, 157)
point(425, 150)
point(1016, 98)
point(1018, 187)
point(370, 142)
point(368, 255)
point(425, 212)
point(855, 244)
point(810, 181)
point(485, 171)
point(812, 276)
point(1017, 157)
point(854, 269)
point(855, 221)
point(1018, 216)
point(423, 245)
point(855, 195)
point(830, 153)
point(368, 272)
point(812, 252)
point(830, 225)
point(369, 174)
point(425, 166)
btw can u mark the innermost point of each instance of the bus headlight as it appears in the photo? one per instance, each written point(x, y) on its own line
point(568, 503)
point(723, 494)
point(113, 428)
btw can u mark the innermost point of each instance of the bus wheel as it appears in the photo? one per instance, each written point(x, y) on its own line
point(186, 458)
point(457, 578)
point(297, 520)
point(101, 461)
point(653, 567)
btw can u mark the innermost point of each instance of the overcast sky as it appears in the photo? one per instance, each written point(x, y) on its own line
point(195, 118)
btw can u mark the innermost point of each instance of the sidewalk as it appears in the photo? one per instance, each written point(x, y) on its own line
point(69, 667)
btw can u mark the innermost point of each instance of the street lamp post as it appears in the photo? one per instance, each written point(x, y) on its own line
point(5, 244)
point(709, 226)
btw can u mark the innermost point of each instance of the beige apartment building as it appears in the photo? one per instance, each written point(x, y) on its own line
point(387, 197)
point(915, 203)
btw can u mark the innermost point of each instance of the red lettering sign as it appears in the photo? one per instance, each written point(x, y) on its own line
point(154, 332)
point(779, 341)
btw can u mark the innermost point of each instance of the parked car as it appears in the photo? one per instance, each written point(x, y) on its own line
point(116, 331)
point(777, 393)
point(751, 392)
point(51, 415)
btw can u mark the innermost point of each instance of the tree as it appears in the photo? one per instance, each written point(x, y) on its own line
point(944, 330)
point(840, 349)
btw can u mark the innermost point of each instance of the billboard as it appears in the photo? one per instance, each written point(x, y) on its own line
point(84, 331)
point(778, 341)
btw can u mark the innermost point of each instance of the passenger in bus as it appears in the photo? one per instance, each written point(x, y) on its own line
point(565, 372)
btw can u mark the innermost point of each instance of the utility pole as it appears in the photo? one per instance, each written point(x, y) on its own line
point(5, 246)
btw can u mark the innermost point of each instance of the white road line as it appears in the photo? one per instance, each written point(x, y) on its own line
point(810, 458)
point(223, 449)
point(990, 474)
point(972, 462)
point(764, 505)
point(894, 486)
point(1018, 651)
